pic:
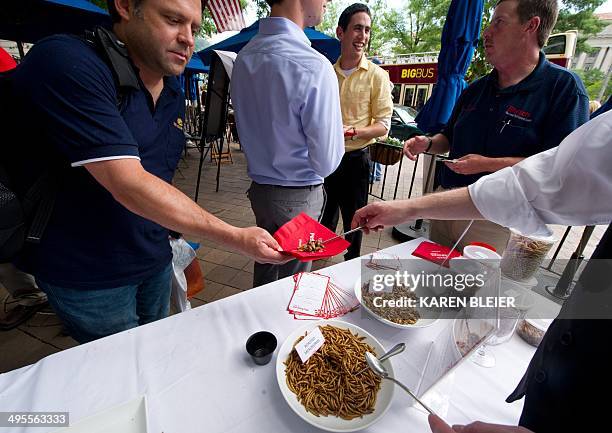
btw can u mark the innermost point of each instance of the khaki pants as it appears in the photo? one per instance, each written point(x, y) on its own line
point(447, 232)
point(273, 206)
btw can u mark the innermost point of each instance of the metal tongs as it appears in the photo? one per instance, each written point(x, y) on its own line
point(377, 367)
point(342, 234)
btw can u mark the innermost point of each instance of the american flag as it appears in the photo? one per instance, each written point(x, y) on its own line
point(226, 14)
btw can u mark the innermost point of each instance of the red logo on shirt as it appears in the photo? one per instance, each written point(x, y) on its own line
point(518, 113)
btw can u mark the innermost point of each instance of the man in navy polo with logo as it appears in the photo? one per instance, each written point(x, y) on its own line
point(524, 106)
point(104, 259)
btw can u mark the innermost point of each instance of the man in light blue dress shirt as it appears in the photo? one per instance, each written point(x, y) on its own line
point(285, 97)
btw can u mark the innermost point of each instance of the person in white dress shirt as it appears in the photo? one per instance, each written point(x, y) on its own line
point(285, 97)
point(570, 184)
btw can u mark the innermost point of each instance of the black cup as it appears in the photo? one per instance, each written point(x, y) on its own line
point(261, 346)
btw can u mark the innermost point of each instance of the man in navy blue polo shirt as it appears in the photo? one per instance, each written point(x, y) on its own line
point(104, 259)
point(524, 106)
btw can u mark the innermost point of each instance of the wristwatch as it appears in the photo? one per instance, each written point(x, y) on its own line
point(430, 144)
point(354, 134)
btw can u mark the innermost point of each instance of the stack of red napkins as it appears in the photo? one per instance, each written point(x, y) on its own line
point(316, 297)
point(435, 253)
point(300, 227)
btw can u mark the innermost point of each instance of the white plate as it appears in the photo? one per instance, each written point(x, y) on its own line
point(130, 417)
point(332, 423)
point(421, 323)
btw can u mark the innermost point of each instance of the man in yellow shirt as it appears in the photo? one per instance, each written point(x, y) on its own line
point(366, 103)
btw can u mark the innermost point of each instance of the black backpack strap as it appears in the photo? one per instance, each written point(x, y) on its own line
point(39, 223)
point(40, 198)
point(115, 55)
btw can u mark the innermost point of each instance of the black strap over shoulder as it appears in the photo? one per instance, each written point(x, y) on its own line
point(40, 197)
point(115, 54)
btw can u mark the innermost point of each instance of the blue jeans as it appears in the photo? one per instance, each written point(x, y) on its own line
point(92, 314)
point(375, 171)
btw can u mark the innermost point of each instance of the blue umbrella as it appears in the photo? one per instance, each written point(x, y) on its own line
point(329, 47)
point(459, 39)
point(32, 20)
point(189, 85)
point(195, 66)
point(79, 4)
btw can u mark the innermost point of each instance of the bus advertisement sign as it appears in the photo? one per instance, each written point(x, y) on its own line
point(422, 73)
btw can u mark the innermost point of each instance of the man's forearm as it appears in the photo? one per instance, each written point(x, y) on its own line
point(496, 164)
point(150, 197)
point(455, 204)
point(448, 205)
point(374, 130)
point(439, 144)
point(166, 205)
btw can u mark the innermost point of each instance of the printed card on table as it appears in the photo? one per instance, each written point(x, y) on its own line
point(382, 260)
point(315, 296)
point(309, 293)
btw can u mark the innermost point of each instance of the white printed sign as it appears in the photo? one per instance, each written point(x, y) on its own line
point(310, 344)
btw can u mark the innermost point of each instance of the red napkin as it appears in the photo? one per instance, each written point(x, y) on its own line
point(434, 252)
point(300, 227)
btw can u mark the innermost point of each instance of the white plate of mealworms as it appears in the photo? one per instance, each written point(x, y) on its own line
point(331, 390)
point(400, 315)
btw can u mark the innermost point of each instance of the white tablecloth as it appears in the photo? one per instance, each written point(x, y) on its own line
point(197, 376)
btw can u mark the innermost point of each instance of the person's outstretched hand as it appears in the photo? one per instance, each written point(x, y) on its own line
point(258, 244)
point(470, 164)
point(415, 145)
point(377, 215)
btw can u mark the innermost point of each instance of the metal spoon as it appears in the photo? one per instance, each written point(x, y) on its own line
point(380, 370)
point(395, 350)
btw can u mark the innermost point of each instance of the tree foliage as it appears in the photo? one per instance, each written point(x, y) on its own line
point(261, 8)
point(330, 19)
point(579, 15)
point(377, 34)
point(377, 8)
point(416, 27)
point(593, 80)
point(208, 27)
point(479, 65)
point(100, 3)
point(573, 15)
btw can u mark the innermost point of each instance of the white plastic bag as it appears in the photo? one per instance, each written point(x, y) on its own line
point(182, 256)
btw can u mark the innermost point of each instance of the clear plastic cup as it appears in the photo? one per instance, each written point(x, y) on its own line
point(524, 255)
point(532, 330)
point(509, 317)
